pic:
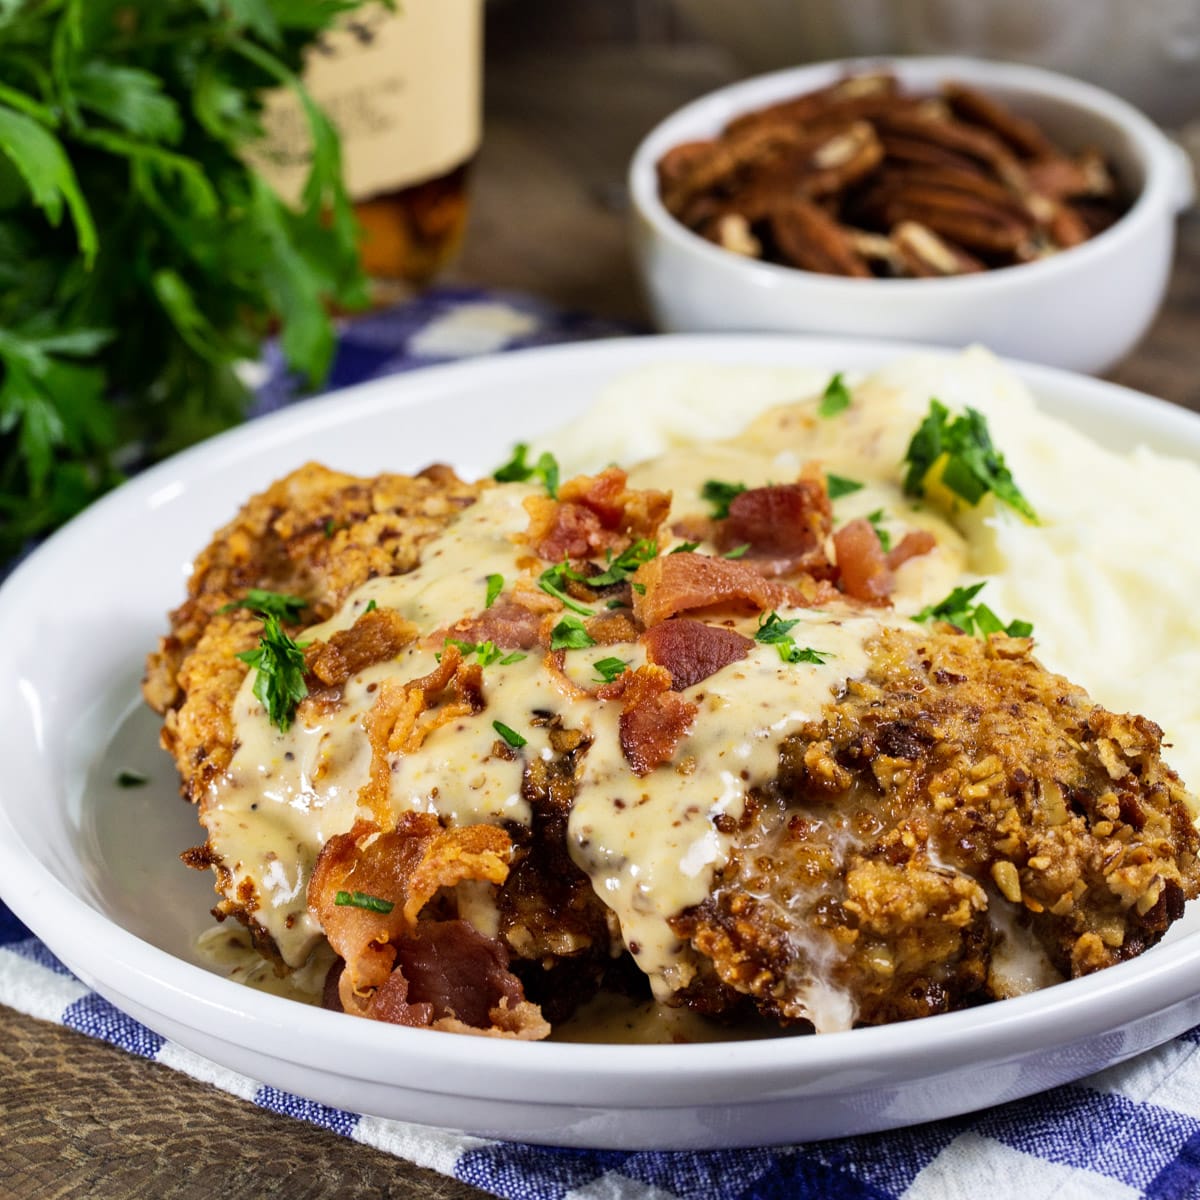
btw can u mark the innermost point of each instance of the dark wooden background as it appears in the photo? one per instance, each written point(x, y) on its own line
point(572, 85)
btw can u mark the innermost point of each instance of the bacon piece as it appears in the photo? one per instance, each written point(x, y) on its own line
point(653, 718)
point(436, 974)
point(593, 513)
point(912, 545)
point(612, 628)
point(862, 565)
point(510, 625)
point(692, 650)
point(405, 714)
point(676, 583)
point(375, 637)
point(405, 866)
point(783, 521)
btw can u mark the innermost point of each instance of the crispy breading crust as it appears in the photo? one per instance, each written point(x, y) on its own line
point(317, 534)
point(956, 778)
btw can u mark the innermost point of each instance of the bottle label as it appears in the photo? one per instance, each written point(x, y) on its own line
point(403, 89)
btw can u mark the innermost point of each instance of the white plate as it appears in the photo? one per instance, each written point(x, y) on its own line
point(91, 868)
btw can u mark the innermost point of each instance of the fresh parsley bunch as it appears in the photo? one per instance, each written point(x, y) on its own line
point(140, 257)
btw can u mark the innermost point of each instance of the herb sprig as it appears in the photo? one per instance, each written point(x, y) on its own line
point(971, 466)
point(517, 470)
point(836, 397)
point(720, 494)
point(363, 900)
point(773, 630)
point(958, 609)
point(278, 662)
point(141, 258)
point(276, 604)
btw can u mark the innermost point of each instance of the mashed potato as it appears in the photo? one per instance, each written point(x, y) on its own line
point(1105, 577)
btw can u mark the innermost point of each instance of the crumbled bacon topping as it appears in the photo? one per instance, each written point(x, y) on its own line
point(593, 513)
point(654, 718)
point(692, 650)
point(676, 583)
point(403, 968)
point(786, 522)
point(406, 713)
point(375, 637)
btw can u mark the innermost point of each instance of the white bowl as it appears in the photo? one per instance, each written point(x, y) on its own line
point(91, 867)
point(1082, 309)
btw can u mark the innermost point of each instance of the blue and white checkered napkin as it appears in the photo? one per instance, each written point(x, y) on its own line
point(1131, 1131)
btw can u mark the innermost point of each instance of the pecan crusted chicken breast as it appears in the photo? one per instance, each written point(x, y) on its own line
point(502, 746)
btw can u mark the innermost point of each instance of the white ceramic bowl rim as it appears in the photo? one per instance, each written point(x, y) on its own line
point(1062, 1015)
point(1166, 186)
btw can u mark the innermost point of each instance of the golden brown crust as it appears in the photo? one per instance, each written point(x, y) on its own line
point(957, 779)
point(317, 534)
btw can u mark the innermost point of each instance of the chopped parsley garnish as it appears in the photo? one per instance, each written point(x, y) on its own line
point(836, 397)
point(609, 669)
point(616, 604)
point(363, 900)
point(640, 588)
point(791, 653)
point(330, 527)
point(685, 548)
point(620, 568)
point(737, 551)
point(838, 486)
point(279, 665)
point(131, 779)
point(551, 582)
point(721, 495)
point(773, 630)
point(876, 519)
point(487, 652)
point(511, 736)
point(971, 466)
point(371, 606)
point(570, 634)
point(517, 470)
point(495, 585)
point(268, 604)
point(958, 609)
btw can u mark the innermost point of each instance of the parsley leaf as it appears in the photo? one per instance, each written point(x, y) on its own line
point(126, 778)
point(609, 669)
point(275, 604)
point(517, 470)
point(371, 605)
point(978, 619)
point(838, 486)
point(773, 630)
point(362, 900)
point(511, 736)
point(625, 564)
point(836, 397)
point(885, 539)
point(685, 548)
point(551, 582)
point(486, 652)
point(737, 551)
point(495, 585)
point(720, 494)
point(971, 466)
point(791, 653)
point(279, 672)
point(570, 634)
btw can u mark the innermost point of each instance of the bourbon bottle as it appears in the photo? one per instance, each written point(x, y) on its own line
point(404, 89)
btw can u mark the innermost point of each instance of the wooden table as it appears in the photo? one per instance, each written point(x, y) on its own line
point(80, 1119)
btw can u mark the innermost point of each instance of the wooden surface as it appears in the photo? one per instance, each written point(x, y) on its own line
point(80, 1119)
